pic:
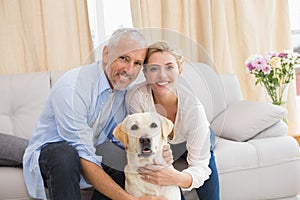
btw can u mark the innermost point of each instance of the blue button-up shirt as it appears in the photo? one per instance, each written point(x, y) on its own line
point(81, 110)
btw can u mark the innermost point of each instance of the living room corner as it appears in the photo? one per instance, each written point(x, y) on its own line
point(257, 146)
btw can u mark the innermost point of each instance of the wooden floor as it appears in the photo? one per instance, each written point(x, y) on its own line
point(298, 139)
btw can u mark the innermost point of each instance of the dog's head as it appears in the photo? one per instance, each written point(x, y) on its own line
point(143, 133)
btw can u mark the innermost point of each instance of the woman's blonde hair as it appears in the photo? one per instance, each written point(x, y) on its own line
point(163, 46)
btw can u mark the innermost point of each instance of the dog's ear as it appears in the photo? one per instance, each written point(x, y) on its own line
point(121, 135)
point(167, 126)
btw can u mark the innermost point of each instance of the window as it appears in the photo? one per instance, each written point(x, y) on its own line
point(105, 16)
point(294, 6)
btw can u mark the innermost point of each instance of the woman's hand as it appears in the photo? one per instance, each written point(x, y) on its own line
point(165, 175)
point(160, 174)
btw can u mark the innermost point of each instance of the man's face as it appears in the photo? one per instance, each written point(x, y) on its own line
point(123, 62)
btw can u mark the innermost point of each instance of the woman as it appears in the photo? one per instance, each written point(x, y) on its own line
point(163, 94)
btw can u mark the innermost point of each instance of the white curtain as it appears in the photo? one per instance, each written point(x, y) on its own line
point(229, 31)
point(43, 35)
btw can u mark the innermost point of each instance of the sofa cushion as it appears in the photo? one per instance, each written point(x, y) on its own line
point(12, 184)
point(231, 88)
point(243, 120)
point(23, 97)
point(259, 168)
point(238, 156)
point(205, 83)
point(12, 149)
point(278, 129)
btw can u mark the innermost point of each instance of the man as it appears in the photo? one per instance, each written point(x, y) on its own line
point(81, 112)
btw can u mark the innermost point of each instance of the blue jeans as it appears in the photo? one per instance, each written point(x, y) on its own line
point(210, 189)
point(60, 168)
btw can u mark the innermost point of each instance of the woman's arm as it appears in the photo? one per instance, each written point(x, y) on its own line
point(198, 146)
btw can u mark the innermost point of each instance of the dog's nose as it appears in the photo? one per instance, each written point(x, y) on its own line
point(145, 140)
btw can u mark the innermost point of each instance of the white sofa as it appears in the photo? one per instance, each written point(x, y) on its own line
point(256, 159)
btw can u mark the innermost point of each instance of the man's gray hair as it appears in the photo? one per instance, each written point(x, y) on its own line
point(130, 33)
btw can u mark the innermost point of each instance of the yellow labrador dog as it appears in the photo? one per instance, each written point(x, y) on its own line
point(143, 136)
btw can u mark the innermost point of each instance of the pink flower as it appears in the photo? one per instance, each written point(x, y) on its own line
point(259, 63)
point(282, 55)
point(250, 67)
point(267, 69)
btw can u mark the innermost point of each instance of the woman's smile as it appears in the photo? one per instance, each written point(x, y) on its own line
point(162, 83)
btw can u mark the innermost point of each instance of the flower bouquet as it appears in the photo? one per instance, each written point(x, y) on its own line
point(274, 71)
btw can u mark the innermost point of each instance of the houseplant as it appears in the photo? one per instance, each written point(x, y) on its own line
point(274, 71)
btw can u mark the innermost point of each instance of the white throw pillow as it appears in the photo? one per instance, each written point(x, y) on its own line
point(243, 120)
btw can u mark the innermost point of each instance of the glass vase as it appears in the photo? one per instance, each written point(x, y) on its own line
point(282, 94)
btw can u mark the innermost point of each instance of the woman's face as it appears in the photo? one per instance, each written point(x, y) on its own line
point(162, 73)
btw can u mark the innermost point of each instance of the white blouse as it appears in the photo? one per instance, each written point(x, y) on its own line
point(191, 126)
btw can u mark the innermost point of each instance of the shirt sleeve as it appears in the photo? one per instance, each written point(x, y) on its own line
point(198, 147)
point(70, 108)
point(138, 100)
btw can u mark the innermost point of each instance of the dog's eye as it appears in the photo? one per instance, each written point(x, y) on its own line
point(153, 125)
point(134, 127)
